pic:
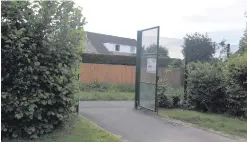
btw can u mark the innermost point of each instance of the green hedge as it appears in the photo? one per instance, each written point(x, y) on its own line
point(219, 87)
point(120, 59)
point(236, 76)
point(39, 63)
point(206, 87)
point(169, 96)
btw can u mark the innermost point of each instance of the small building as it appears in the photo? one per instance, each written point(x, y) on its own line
point(97, 43)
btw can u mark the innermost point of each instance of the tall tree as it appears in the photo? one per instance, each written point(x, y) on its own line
point(198, 47)
point(243, 41)
point(162, 51)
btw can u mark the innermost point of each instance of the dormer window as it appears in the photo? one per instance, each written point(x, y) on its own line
point(117, 47)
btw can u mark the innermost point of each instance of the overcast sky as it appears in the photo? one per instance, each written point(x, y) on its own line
point(220, 18)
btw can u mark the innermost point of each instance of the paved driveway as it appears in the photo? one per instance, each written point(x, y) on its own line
point(132, 125)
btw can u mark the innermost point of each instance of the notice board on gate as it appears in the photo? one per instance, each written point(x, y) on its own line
point(151, 65)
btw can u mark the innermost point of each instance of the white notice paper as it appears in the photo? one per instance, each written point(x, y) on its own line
point(151, 65)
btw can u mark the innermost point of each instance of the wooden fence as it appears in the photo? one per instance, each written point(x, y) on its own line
point(121, 74)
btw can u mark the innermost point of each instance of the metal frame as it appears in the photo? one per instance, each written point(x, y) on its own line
point(156, 27)
point(138, 68)
point(157, 67)
point(146, 108)
point(147, 82)
point(138, 64)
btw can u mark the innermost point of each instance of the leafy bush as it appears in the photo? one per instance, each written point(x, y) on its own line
point(206, 87)
point(108, 59)
point(237, 88)
point(168, 97)
point(175, 90)
point(41, 47)
point(166, 101)
point(176, 64)
point(106, 87)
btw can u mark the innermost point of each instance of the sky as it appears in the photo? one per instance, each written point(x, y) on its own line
point(221, 19)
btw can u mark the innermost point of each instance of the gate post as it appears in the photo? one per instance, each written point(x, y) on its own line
point(138, 59)
point(157, 70)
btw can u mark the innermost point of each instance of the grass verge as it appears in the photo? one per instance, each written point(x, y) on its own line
point(105, 96)
point(77, 129)
point(215, 122)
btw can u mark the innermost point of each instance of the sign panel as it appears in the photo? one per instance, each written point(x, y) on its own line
point(151, 65)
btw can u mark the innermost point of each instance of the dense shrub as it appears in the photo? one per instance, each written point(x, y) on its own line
point(166, 101)
point(206, 87)
point(168, 96)
point(219, 87)
point(106, 87)
point(108, 59)
point(176, 64)
point(41, 47)
point(237, 85)
point(175, 90)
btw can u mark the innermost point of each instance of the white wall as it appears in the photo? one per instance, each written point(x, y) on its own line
point(123, 48)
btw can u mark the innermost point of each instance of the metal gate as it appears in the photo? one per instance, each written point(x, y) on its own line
point(147, 68)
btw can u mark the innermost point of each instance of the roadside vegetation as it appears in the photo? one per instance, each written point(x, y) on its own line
point(216, 94)
point(76, 129)
point(105, 92)
point(42, 46)
point(105, 96)
point(106, 87)
point(41, 54)
point(217, 122)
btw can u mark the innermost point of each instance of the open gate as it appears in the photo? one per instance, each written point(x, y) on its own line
point(147, 68)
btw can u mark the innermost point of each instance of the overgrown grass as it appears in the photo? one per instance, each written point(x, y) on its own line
point(76, 130)
point(212, 121)
point(105, 96)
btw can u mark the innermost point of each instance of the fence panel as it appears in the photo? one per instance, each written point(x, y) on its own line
point(119, 74)
point(122, 74)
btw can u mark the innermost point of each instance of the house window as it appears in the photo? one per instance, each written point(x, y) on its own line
point(117, 47)
point(132, 49)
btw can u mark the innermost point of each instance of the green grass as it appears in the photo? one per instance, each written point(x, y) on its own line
point(77, 130)
point(212, 121)
point(106, 87)
point(105, 96)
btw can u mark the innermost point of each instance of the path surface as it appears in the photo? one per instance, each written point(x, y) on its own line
point(132, 125)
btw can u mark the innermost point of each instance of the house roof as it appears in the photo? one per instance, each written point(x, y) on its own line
point(98, 40)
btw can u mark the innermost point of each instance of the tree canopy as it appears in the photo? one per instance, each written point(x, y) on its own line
point(198, 47)
point(162, 51)
point(243, 41)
